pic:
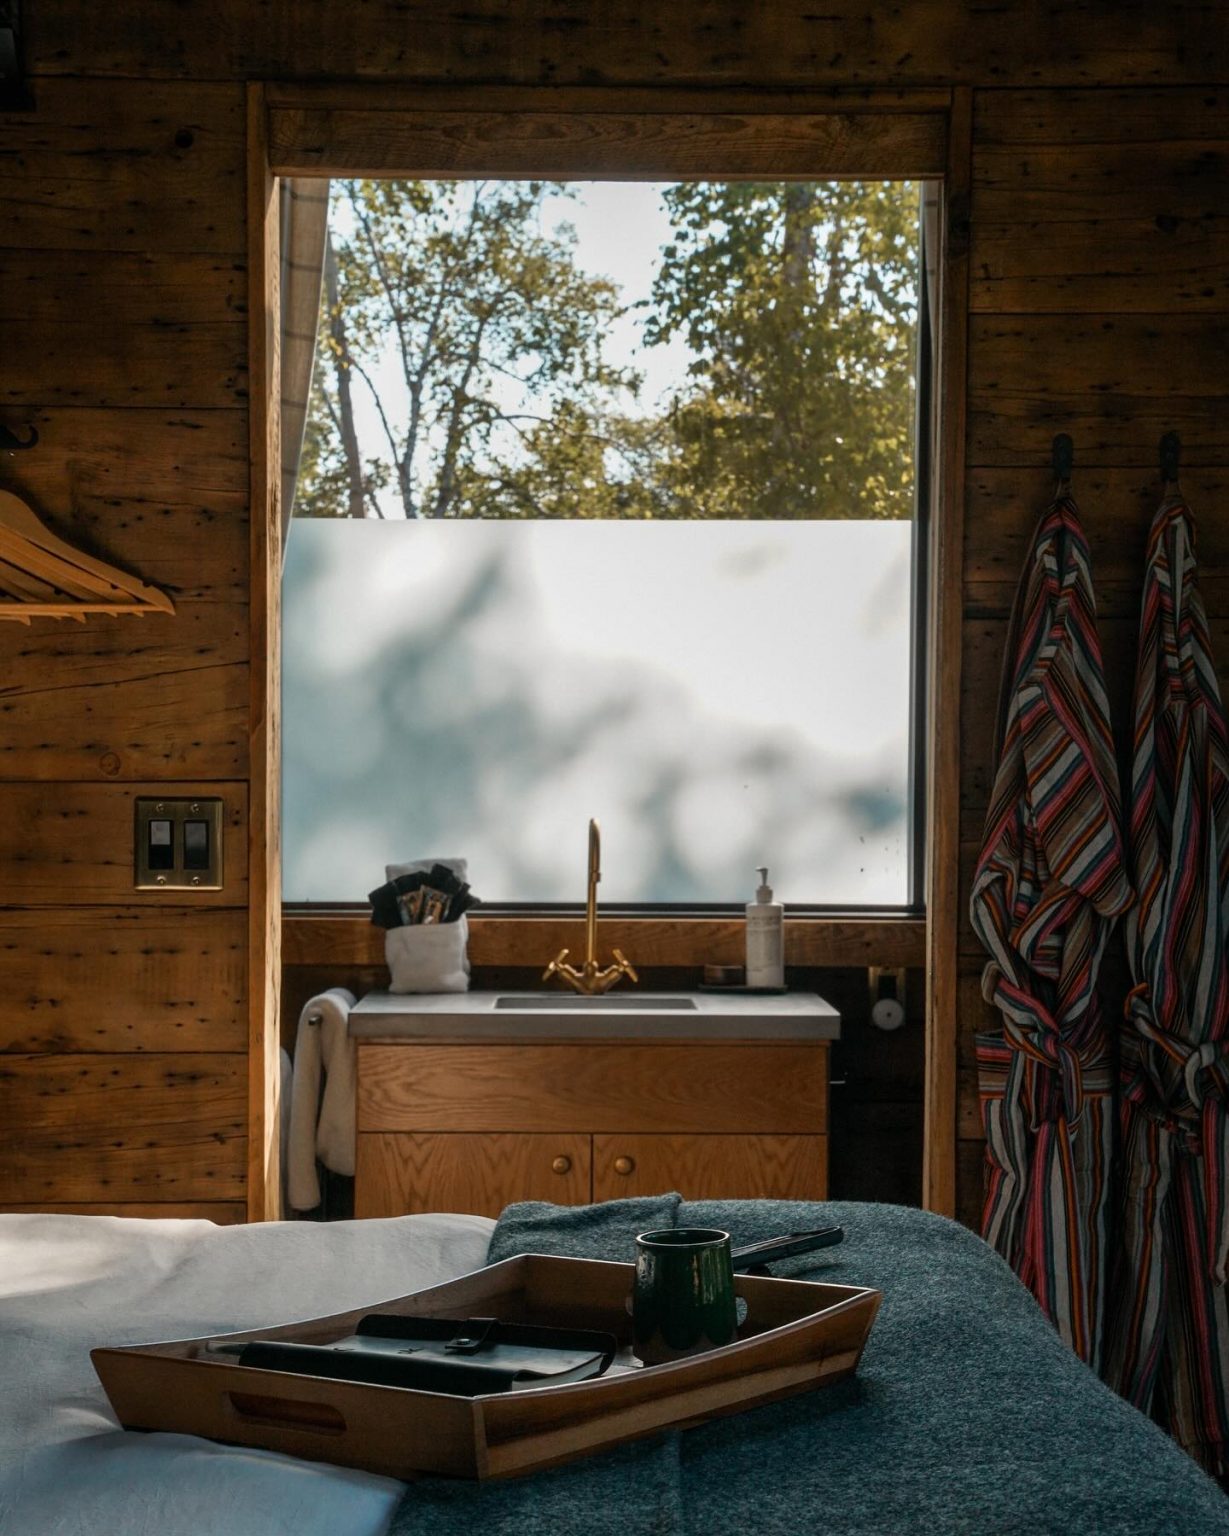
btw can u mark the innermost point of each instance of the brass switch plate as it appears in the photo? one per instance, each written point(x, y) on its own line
point(178, 845)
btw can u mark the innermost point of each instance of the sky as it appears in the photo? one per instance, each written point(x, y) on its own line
point(620, 228)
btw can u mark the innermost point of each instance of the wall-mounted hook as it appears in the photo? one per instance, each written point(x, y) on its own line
point(1062, 456)
point(11, 443)
point(1170, 452)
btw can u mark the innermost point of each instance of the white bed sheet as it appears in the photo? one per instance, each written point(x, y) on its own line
point(68, 1283)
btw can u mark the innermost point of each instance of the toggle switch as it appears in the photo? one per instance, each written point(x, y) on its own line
point(178, 845)
point(160, 849)
point(196, 845)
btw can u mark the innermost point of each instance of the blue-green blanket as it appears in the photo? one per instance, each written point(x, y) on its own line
point(967, 1415)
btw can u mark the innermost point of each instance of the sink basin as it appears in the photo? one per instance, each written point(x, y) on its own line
point(623, 1002)
point(622, 1015)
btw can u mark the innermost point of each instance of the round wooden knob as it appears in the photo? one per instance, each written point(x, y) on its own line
point(625, 1165)
point(562, 1164)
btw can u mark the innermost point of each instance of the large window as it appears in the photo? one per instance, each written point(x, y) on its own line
point(607, 508)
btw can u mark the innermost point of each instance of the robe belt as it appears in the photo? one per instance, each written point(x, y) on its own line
point(1204, 1065)
point(1059, 1088)
point(1202, 1129)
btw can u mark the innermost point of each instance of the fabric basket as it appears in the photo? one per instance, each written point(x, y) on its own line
point(428, 957)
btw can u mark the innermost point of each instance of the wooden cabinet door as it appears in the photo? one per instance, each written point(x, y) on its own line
point(711, 1167)
point(401, 1172)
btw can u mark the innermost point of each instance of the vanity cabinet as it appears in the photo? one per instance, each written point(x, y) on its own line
point(473, 1125)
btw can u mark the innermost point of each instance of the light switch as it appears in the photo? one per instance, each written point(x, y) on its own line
point(178, 845)
point(195, 845)
point(161, 846)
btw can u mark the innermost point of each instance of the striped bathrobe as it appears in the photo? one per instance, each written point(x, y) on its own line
point(1049, 886)
point(1170, 1344)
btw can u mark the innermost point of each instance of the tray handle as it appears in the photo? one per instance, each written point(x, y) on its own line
point(285, 1413)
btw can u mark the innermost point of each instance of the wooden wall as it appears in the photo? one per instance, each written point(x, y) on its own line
point(1098, 304)
point(123, 338)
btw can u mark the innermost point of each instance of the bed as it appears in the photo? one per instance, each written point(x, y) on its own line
point(68, 1283)
point(967, 1415)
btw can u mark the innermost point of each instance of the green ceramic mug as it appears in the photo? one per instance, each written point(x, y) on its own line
point(683, 1297)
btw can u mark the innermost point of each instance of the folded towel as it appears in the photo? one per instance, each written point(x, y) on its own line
point(321, 1127)
point(459, 868)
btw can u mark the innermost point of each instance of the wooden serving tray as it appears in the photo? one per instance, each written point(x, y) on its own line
point(797, 1336)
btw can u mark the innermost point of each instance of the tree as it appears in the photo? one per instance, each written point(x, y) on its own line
point(798, 301)
point(481, 346)
point(495, 340)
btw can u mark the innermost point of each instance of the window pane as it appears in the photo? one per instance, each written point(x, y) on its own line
point(605, 510)
point(718, 694)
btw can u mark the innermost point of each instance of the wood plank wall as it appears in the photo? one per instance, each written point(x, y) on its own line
point(1098, 306)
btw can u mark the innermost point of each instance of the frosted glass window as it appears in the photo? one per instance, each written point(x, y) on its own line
point(605, 509)
point(718, 694)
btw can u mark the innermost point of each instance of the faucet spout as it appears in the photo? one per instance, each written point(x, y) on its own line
point(591, 978)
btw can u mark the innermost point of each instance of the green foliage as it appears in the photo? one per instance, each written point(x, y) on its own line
point(496, 332)
point(798, 303)
point(796, 300)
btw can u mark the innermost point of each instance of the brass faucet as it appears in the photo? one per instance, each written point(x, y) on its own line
point(590, 977)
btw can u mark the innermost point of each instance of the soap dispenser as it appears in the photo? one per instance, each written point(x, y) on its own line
point(765, 937)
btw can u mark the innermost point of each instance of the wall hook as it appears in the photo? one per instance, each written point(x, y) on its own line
point(1062, 456)
point(1170, 452)
point(11, 443)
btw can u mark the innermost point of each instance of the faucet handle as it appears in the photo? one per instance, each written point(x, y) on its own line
point(556, 965)
point(625, 964)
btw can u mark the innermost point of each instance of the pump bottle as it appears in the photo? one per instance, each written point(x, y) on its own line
point(765, 937)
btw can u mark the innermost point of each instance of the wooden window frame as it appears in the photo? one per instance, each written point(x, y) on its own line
point(660, 133)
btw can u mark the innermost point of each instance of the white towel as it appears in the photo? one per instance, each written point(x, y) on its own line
point(329, 1134)
point(459, 867)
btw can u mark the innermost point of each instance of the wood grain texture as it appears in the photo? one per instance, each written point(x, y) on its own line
point(171, 703)
point(121, 1128)
point(157, 496)
point(753, 144)
point(109, 459)
point(779, 43)
point(264, 719)
point(166, 330)
point(402, 1173)
point(1116, 507)
point(943, 705)
point(194, 548)
point(711, 1167)
point(595, 1086)
point(1115, 383)
point(113, 979)
point(350, 941)
point(1091, 229)
point(143, 167)
point(72, 843)
point(220, 1212)
point(443, 97)
point(1106, 115)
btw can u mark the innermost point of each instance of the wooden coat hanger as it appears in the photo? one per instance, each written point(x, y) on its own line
point(41, 577)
